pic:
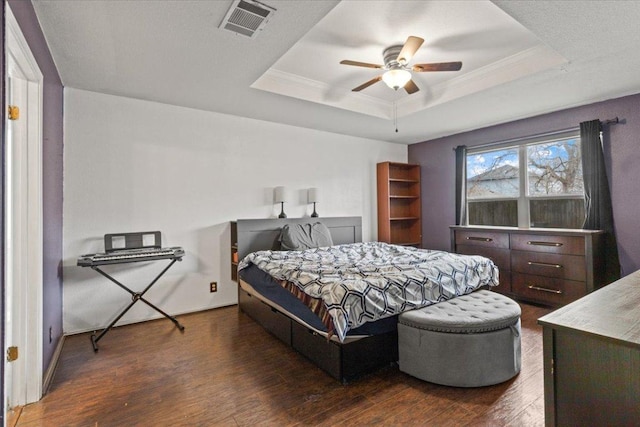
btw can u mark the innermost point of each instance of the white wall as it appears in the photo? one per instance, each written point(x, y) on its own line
point(132, 165)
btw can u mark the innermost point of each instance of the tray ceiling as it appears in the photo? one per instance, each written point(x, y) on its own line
point(520, 59)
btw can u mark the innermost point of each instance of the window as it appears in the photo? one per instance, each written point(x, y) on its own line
point(534, 184)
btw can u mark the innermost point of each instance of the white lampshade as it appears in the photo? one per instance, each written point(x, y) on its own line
point(280, 195)
point(313, 195)
point(396, 79)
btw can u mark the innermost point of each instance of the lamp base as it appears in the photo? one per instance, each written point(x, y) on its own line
point(282, 214)
point(314, 214)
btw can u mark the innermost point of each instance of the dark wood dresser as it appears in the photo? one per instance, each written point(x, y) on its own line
point(592, 358)
point(543, 265)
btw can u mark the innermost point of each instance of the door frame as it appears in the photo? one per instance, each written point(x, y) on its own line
point(28, 387)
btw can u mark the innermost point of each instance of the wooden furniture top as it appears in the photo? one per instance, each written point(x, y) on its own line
point(524, 230)
point(612, 312)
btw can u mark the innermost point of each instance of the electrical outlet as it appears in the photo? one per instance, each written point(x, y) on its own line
point(213, 287)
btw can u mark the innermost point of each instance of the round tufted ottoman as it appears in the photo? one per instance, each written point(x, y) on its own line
point(469, 341)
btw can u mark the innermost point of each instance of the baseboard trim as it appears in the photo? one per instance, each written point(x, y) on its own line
point(51, 370)
point(149, 319)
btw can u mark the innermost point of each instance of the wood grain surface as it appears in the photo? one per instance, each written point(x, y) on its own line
point(227, 370)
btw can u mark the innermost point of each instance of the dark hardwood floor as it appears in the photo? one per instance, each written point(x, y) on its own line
point(226, 370)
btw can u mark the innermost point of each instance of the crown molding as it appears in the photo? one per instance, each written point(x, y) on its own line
point(530, 61)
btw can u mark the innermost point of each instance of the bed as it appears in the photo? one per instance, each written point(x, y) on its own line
point(297, 293)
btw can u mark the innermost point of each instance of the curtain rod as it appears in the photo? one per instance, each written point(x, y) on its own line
point(613, 121)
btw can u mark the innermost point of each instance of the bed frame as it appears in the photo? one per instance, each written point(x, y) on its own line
point(343, 361)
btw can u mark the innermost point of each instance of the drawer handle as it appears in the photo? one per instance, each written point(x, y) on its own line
point(535, 243)
point(538, 288)
point(481, 239)
point(544, 264)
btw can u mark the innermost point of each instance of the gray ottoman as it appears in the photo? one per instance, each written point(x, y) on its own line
point(469, 341)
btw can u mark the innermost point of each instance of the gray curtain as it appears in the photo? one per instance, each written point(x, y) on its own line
point(597, 197)
point(461, 185)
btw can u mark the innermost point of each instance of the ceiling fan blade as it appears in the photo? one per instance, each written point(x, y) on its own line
point(360, 64)
point(439, 66)
point(411, 87)
point(367, 84)
point(409, 49)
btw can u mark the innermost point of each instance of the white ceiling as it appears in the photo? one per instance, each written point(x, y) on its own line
point(520, 58)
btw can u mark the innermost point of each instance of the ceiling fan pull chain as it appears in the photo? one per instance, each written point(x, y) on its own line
point(395, 115)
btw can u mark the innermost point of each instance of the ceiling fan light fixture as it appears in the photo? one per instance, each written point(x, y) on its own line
point(396, 79)
point(398, 75)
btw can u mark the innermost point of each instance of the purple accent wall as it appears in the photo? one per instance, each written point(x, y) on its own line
point(52, 175)
point(621, 144)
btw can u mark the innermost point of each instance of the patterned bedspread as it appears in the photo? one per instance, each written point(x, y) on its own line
point(363, 282)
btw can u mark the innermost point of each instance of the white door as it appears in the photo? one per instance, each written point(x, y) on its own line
point(23, 221)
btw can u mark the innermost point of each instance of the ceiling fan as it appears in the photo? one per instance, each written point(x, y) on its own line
point(398, 73)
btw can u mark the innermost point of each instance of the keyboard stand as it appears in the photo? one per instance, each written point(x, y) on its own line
point(135, 297)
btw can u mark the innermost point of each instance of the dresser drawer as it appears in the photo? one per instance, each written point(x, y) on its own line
point(571, 245)
point(546, 266)
point(571, 267)
point(487, 239)
point(500, 257)
point(547, 290)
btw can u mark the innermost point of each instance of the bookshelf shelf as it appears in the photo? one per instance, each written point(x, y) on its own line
point(399, 204)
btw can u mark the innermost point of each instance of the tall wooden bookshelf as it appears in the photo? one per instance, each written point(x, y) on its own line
point(234, 251)
point(399, 205)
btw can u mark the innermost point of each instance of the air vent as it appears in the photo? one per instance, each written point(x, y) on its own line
point(247, 17)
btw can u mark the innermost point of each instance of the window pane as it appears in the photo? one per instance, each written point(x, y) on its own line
point(493, 174)
point(500, 213)
point(555, 168)
point(557, 213)
point(552, 185)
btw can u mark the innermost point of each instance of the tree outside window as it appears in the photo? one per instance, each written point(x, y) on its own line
point(530, 185)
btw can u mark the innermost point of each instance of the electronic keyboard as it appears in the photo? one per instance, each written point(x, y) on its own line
point(130, 255)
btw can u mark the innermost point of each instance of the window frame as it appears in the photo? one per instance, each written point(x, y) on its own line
point(523, 199)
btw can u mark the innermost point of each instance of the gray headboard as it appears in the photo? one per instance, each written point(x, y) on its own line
point(262, 234)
